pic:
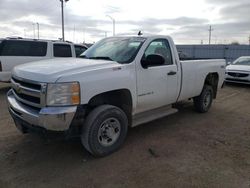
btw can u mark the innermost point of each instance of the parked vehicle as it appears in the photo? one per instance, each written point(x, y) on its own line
point(120, 82)
point(16, 51)
point(239, 71)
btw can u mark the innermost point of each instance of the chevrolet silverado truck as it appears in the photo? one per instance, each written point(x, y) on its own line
point(119, 82)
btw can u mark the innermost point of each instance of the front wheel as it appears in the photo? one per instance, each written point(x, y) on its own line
point(203, 102)
point(104, 130)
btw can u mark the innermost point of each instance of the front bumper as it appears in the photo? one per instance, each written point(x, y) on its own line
point(47, 118)
point(237, 80)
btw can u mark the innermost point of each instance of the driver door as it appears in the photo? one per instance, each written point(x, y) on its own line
point(157, 84)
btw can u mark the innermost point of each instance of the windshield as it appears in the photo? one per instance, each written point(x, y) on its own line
point(120, 49)
point(242, 61)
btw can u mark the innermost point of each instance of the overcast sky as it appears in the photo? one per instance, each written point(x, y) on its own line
point(187, 21)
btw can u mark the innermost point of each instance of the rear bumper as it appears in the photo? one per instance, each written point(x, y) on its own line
point(57, 119)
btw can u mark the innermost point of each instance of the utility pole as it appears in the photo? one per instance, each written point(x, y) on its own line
point(62, 3)
point(34, 31)
point(210, 34)
point(83, 35)
point(37, 30)
point(113, 20)
point(24, 33)
point(74, 33)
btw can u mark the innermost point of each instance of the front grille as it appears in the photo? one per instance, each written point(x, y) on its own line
point(28, 92)
point(27, 84)
point(28, 98)
point(238, 75)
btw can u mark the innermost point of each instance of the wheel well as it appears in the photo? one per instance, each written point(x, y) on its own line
point(121, 98)
point(212, 79)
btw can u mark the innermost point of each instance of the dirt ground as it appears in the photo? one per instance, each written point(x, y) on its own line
point(186, 149)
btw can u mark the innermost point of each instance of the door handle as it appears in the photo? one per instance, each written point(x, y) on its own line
point(172, 73)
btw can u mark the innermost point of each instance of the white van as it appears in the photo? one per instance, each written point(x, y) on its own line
point(16, 51)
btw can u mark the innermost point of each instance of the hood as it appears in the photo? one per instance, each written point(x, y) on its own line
point(243, 68)
point(51, 70)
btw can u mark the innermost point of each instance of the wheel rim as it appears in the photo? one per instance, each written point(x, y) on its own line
point(207, 99)
point(109, 132)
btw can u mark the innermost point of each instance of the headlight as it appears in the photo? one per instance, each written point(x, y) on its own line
point(60, 94)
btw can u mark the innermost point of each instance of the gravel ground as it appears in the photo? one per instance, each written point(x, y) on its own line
point(186, 149)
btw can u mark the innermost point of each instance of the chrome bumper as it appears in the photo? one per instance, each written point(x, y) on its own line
point(49, 118)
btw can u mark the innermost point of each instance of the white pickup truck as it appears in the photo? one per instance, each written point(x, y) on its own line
point(118, 83)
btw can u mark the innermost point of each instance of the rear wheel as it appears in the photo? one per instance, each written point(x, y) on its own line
point(104, 130)
point(203, 102)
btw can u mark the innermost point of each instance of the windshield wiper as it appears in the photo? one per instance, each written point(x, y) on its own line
point(102, 57)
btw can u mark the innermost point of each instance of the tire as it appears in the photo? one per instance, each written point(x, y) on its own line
point(104, 130)
point(203, 102)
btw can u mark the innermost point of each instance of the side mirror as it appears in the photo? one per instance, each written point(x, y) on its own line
point(152, 60)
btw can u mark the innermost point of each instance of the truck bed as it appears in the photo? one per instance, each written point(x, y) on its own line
point(194, 73)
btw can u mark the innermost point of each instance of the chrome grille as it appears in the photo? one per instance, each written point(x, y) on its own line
point(28, 92)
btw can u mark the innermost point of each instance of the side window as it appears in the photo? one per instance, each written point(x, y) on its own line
point(160, 47)
point(62, 50)
point(79, 50)
point(23, 48)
